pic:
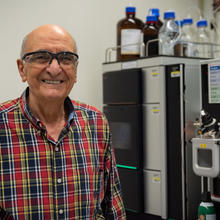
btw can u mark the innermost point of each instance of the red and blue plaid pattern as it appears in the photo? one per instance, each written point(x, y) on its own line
point(73, 178)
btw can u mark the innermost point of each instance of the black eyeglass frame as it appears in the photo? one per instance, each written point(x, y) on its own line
point(53, 55)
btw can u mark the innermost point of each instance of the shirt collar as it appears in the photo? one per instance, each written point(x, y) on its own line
point(70, 109)
point(34, 120)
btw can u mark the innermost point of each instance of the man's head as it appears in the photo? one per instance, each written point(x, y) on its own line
point(48, 63)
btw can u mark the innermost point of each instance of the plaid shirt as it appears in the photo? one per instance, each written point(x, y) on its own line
point(73, 178)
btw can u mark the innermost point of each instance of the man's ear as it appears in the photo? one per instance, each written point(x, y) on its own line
point(76, 65)
point(20, 65)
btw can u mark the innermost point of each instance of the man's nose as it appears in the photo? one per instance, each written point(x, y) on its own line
point(54, 67)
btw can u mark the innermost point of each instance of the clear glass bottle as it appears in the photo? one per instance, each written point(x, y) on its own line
point(168, 34)
point(129, 31)
point(204, 48)
point(151, 32)
point(188, 38)
point(178, 48)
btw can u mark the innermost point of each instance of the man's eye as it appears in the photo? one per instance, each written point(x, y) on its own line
point(66, 59)
point(40, 58)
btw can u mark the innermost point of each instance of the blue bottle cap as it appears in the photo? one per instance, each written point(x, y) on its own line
point(187, 21)
point(130, 9)
point(169, 14)
point(177, 22)
point(154, 11)
point(151, 18)
point(181, 23)
point(202, 23)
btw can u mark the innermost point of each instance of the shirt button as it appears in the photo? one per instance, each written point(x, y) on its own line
point(56, 149)
point(59, 180)
point(61, 211)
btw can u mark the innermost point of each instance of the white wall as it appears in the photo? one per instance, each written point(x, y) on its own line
point(91, 22)
point(208, 9)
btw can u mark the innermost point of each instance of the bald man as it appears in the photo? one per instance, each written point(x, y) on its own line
point(56, 158)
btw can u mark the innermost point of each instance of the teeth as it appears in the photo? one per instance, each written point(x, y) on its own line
point(53, 81)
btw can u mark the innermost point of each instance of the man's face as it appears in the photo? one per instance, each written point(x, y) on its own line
point(51, 82)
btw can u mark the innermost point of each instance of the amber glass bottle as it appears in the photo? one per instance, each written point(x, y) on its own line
point(156, 12)
point(151, 32)
point(129, 31)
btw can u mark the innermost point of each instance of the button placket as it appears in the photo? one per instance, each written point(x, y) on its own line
point(58, 169)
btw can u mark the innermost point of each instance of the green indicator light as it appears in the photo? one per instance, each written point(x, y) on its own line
point(127, 167)
point(131, 210)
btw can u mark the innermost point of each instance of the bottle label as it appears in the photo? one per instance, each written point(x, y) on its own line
point(210, 217)
point(207, 210)
point(131, 36)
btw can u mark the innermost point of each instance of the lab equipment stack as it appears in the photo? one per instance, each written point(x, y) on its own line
point(148, 117)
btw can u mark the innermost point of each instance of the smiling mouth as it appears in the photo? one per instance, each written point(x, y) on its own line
point(52, 81)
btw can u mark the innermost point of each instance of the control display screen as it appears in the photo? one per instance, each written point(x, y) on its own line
point(214, 83)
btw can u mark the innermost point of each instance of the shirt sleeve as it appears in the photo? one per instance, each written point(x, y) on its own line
point(112, 205)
